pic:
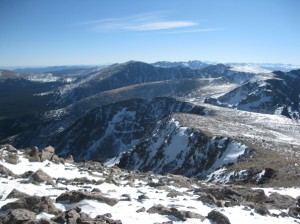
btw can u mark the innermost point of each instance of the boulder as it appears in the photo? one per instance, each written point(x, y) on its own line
point(174, 194)
point(8, 148)
point(73, 216)
point(11, 158)
point(217, 195)
point(180, 181)
point(156, 184)
point(76, 196)
point(33, 203)
point(26, 175)
point(261, 209)
point(142, 197)
point(208, 199)
point(40, 176)
point(181, 215)
point(6, 172)
point(17, 194)
point(294, 212)
point(47, 153)
point(91, 165)
point(279, 201)
point(298, 201)
point(194, 215)
point(159, 209)
point(21, 216)
point(112, 180)
point(34, 155)
point(69, 159)
point(57, 159)
point(126, 197)
point(217, 217)
point(106, 218)
point(33, 151)
point(256, 196)
point(96, 190)
point(142, 209)
point(35, 158)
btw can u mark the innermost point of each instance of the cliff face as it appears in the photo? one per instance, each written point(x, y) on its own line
point(182, 150)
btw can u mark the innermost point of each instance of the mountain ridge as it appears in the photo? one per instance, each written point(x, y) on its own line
point(105, 113)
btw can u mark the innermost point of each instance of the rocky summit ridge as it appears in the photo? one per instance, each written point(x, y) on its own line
point(39, 187)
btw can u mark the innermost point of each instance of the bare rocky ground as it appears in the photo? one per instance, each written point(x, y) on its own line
point(274, 140)
point(39, 187)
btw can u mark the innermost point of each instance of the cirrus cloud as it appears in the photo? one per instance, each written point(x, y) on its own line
point(163, 25)
point(143, 22)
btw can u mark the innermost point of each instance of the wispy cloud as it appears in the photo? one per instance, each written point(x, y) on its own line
point(144, 22)
point(162, 25)
point(195, 30)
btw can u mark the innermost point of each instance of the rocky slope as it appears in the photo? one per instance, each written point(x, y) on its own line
point(182, 150)
point(100, 133)
point(168, 135)
point(198, 146)
point(39, 187)
point(273, 93)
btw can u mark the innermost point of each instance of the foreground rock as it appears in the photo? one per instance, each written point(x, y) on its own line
point(174, 191)
point(47, 153)
point(218, 217)
point(77, 216)
point(8, 148)
point(40, 176)
point(33, 203)
point(6, 172)
point(76, 196)
point(221, 196)
point(17, 194)
point(181, 215)
point(72, 216)
point(9, 154)
point(18, 216)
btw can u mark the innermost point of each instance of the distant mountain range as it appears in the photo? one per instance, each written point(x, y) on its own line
point(190, 118)
point(193, 64)
point(243, 67)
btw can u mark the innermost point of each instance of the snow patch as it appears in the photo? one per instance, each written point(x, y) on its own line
point(179, 143)
point(43, 78)
point(278, 111)
point(231, 155)
point(45, 216)
point(112, 162)
point(248, 69)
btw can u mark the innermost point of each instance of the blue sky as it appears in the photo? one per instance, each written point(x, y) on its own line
point(70, 32)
